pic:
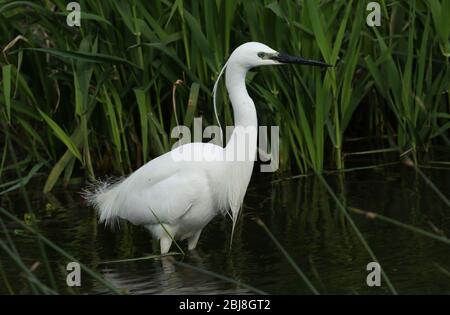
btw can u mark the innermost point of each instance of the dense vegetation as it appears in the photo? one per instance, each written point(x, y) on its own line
point(104, 97)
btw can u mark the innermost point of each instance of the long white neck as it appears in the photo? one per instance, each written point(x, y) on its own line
point(242, 144)
point(243, 107)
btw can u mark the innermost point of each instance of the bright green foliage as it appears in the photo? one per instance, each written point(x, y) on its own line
point(103, 98)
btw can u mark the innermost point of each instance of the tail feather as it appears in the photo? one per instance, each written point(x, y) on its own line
point(104, 197)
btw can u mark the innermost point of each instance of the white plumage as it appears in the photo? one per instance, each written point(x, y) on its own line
point(183, 193)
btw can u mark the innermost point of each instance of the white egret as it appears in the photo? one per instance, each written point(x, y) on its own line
point(176, 198)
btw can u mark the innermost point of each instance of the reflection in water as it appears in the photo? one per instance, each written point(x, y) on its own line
point(299, 213)
point(162, 276)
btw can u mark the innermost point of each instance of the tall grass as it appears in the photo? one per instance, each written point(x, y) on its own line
point(100, 97)
point(414, 85)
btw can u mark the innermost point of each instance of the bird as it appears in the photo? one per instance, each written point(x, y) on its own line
point(175, 195)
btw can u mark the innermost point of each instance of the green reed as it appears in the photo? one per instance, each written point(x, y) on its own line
point(101, 98)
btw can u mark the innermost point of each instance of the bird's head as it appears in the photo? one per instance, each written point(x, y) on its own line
point(253, 54)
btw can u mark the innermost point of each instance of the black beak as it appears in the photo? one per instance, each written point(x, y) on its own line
point(285, 58)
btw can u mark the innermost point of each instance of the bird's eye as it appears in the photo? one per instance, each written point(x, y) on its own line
point(261, 55)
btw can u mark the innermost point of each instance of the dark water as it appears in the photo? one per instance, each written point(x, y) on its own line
point(299, 212)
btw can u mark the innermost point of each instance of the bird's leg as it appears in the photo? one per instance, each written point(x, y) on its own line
point(192, 241)
point(164, 243)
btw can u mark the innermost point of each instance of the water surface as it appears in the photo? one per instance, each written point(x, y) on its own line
point(299, 212)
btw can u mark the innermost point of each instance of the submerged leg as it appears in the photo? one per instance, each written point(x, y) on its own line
point(163, 234)
point(165, 242)
point(167, 264)
point(192, 241)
